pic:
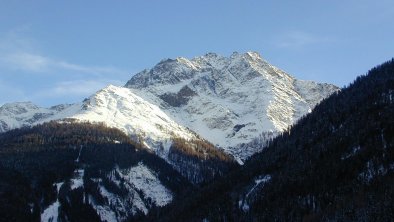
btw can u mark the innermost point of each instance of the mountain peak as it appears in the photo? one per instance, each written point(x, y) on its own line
point(110, 87)
point(229, 100)
point(174, 71)
point(249, 55)
point(211, 55)
point(253, 55)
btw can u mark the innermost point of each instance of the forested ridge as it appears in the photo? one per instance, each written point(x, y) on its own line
point(67, 134)
point(34, 159)
point(335, 164)
point(199, 161)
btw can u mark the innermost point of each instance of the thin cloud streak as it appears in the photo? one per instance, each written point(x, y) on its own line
point(41, 64)
point(26, 62)
point(17, 52)
point(20, 57)
point(300, 39)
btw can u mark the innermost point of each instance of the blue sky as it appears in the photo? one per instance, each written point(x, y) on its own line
point(55, 52)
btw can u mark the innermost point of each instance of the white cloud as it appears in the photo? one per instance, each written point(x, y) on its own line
point(26, 61)
point(89, 69)
point(17, 52)
point(300, 39)
point(53, 80)
point(38, 63)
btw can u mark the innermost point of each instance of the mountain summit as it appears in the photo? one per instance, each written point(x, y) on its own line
point(237, 103)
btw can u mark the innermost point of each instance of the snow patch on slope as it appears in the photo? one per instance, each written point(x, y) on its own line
point(51, 213)
point(77, 180)
point(104, 212)
point(143, 179)
point(259, 184)
point(143, 191)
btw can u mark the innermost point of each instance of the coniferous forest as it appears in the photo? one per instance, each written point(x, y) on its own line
point(33, 159)
point(335, 164)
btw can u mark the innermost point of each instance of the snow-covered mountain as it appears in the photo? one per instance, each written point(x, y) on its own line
point(20, 114)
point(235, 102)
point(115, 106)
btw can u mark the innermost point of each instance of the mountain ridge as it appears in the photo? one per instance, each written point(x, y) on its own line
point(238, 103)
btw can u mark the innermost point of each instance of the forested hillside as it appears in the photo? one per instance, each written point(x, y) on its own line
point(335, 164)
point(199, 161)
point(81, 172)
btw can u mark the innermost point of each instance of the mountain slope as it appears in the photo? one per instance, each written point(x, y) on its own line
point(81, 172)
point(20, 114)
point(230, 101)
point(144, 122)
point(119, 107)
point(114, 106)
point(336, 164)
